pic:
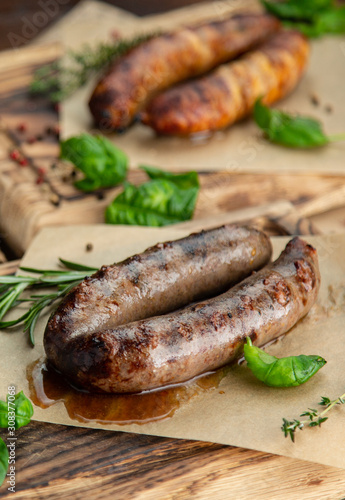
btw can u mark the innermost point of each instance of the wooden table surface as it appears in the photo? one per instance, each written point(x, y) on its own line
point(55, 461)
point(21, 22)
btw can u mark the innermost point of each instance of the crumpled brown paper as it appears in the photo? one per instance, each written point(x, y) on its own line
point(241, 411)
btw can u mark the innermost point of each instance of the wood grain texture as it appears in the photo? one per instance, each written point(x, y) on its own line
point(56, 461)
point(20, 22)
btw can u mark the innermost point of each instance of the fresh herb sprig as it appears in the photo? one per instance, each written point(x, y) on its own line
point(314, 18)
point(14, 413)
point(102, 163)
point(315, 418)
point(60, 79)
point(166, 198)
point(290, 371)
point(291, 131)
point(12, 287)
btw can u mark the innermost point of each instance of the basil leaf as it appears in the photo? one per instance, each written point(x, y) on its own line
point(4, 456)
point(287, 130)
point(296, 10)
point(184, 181)
point(21, 406)
point(312, 17)
point(281, 372)
point(158, 202)
point(311, 30)
point(103, 164)
point(332, 21)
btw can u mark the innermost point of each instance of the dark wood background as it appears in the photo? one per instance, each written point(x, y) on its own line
point(19, 15)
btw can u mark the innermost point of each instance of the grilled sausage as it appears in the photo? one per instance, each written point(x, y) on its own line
point(161, 279)
point(229, 93)
point(176, 347)
point(170, 58)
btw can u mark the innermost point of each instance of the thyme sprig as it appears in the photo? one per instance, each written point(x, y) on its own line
point(12, 287)
point(61, 78)
point(315, 418)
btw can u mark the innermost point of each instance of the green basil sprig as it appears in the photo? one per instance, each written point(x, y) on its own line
point(314, 18)
point(281, 372)
point(4, 456)
point(103, 164)
point(166, 199)
point(23, 411)
point(291, 131)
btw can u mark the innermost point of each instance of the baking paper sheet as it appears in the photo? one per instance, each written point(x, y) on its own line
point(241, 411)
point(241, 148)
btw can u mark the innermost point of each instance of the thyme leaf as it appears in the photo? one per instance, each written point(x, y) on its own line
point(315, 418)
point(61, 78)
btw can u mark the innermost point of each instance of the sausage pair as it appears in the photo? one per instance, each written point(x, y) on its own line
point(228, 94)
point(98, 336)
point(170, 58)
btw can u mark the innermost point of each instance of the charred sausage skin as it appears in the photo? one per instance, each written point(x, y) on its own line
point(228, 94)
point(150, 353)
point(171, 58)
point(161, 279)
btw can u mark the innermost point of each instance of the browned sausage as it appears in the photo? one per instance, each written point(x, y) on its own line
point(229, 93)
point(161, 279)
point(170, 58)
point(176, 347)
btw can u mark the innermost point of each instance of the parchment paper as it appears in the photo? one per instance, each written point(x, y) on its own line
point(241, 411)
point(241, 148)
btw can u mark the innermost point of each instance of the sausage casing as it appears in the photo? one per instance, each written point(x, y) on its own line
point(171, 58)
point(161, 279)
point(228, 94)
point(176, 347)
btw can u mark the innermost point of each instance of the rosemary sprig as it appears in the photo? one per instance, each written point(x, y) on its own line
point(63, 77)
point(12, 287)
point(315, 418)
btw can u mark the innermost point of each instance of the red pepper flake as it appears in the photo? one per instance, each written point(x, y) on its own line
point(14, 154)
point(57, 107)
point(23, 162)
point(22, 127)
point(115, 35)
point(32, 140)
point(39, 180)
point(41, 171)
